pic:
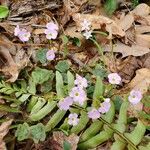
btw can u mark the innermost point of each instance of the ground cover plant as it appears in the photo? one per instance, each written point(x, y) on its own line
point(74, 75)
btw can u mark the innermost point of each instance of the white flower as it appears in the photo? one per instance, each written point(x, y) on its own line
point(87, 34)
point(73, 119)
point(114, 78)
point(85, 25)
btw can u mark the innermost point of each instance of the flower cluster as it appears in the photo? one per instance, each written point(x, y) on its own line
point(76, 95)
point(104, 108)
point(22, 34)
point(51, 30)
point(86, 27)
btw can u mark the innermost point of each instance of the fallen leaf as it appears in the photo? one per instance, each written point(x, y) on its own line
point(97, 22)
point(143, 40)
point(4, 128)
point(142, 10)
point(134, 50)
point(142, 29)
point(126, 22)
point(69, 8)
point(10, 67)
point(141, 81)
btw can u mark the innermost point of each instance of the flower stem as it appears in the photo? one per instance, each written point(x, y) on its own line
point(100, 50)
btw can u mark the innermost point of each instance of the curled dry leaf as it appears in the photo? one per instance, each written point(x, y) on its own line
point(97, 22)
point(4, 128)
point(134, 50)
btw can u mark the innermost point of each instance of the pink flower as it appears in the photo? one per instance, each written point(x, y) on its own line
point(51, 31)
point(73, 119)
point(105, 106)
point(135, 97)
point(65, 103)
point(52, 26)
point(51, 34)
point(80, 81)
point(87, 34)
point(94, 114)
point(22, 34)
point(78, 95)
point(50, 55)
point(85, 25)
point(114, 78)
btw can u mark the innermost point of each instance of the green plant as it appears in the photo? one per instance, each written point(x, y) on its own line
point(92, 133)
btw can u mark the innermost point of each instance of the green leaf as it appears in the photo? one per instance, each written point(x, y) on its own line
point(39, 75)
point(117, 102)
point(62, 66)
point(65, 39)
point(41, 55)
point(135, 3)
point(38, 132)
point(110, 6)
point(66, 145)
point(59, 85)
point(22, 132)
point(3, 11)
point(70, 78)
point(99, 89)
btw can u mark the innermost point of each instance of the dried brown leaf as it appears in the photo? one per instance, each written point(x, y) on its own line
point(141, 81)
point(134, 50)
point(143, 40)
point(4, 128)
point(142, 10)
point(126, 22)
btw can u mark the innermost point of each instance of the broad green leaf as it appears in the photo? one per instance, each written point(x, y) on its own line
point(99, 89)
point(62, 66)
point(59, 85)
point(137, 134)
point(39, 75)
point(38, 132)
point(66, 145)
point(3, 11)
point(41, 55)
point(22, 132)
